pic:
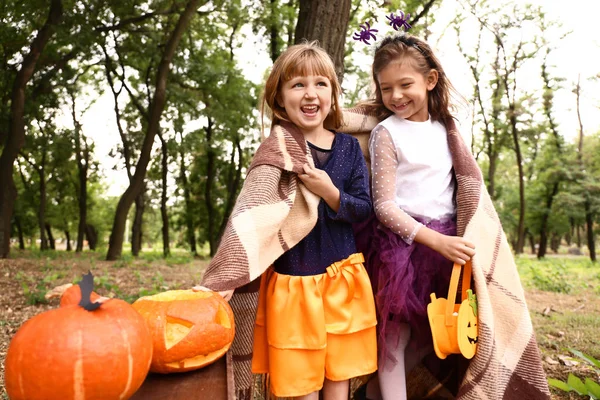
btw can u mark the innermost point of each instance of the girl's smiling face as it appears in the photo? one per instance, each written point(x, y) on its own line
point(307, 101)
point(405, 91)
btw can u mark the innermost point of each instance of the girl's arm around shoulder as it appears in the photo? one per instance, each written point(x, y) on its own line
point(355, 198)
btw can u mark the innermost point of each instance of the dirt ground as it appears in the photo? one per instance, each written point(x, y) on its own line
point(27, 279)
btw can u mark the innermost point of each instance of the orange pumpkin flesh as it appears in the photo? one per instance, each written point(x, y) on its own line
point(72, 296)
point(189, 329)
point(71, 353)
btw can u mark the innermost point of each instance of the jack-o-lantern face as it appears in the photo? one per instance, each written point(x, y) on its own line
point(189, 329)
point(467, 331)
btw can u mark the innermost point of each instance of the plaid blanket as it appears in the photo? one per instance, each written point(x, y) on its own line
point(508, 363)
point(273, 212)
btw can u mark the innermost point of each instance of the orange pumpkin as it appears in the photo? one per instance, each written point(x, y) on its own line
point(72, 353)
point(189, 329)
point(72, 296)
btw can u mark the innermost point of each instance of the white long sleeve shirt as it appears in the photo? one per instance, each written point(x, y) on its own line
point(411, 174)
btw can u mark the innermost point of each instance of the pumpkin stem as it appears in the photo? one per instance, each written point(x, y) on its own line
point(86, 285)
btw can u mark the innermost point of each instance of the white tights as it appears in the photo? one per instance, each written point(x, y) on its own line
point(391, 384)
point(392, 377)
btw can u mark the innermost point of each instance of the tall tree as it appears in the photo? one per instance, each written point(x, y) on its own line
point(14, 136)
point(327, 22)
point(555, 175)
point(156, 109)
point(164, 162)
point(488, 108)
point(589, 215)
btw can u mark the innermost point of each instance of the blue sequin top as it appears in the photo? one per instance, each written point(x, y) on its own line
point(332, 238)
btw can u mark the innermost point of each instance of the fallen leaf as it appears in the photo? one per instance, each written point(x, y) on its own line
point(568, 361)
point(550, 360)
point(546, 311)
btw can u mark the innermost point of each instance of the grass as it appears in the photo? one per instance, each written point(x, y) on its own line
point(562, 292)
point(563, 297)
point(559, 274)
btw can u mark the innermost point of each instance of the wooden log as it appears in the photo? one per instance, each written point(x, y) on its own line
point(209, 382)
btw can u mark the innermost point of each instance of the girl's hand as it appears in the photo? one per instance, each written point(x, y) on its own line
point(226, 294)
point(319, 182)
point(456, 249)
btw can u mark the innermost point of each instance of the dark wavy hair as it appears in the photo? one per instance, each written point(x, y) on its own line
point(408, 48)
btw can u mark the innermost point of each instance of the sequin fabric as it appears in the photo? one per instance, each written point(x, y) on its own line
point(332, 238)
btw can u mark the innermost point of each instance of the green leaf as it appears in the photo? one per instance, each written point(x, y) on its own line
point(577, 384)
point(593, 388)
point(559, 384)
point(586, 357)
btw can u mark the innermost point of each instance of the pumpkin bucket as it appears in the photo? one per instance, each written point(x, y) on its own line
point(454, 326)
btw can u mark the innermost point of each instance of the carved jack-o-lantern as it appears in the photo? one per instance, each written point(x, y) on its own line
point(189, 329)
point(467, 332)
point(454, 326)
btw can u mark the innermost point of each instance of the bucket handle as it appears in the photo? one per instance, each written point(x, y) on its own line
point(466, 285)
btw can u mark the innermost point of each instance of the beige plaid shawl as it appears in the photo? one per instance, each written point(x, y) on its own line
point(507, 364)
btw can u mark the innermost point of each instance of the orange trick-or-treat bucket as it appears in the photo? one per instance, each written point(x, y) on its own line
point(454, 326)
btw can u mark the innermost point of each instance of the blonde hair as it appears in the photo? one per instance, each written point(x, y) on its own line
point(301, 60)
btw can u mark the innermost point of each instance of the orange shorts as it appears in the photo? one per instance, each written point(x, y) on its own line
point(313, 327)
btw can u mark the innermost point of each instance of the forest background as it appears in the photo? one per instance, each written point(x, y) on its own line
point(126, 126)
point(132, 122)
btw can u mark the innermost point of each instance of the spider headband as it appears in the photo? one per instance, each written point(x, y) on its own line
point(397, 22)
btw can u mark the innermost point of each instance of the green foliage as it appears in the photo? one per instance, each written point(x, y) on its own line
point(560, 275)
point(157, 285)
point(551, 280)
point(587, 387)
point(35, 290)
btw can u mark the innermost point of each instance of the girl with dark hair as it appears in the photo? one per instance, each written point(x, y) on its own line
point(412, 244)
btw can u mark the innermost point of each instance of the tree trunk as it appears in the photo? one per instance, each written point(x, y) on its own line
point(545, 217)
point(555, 243)
point(274, 32)
point(569, 234)
point(589, 220)
point(532, 243)
point(189, 219)
point(491, 187)
point(20, 233)
point(51, 242)
point(521, 227)
point(92, 236)
point(327, 22)
point(42, 212)
point(16, 129)
point(156, 108)
point(578, 236)
point(68, 238)
point(82, 157)
point(233, 183)
point(163, 198)
point(82, 202)
point(213, 240)
point(548, 97)
point(136, 229)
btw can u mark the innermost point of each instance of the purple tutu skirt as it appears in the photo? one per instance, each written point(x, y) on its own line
point(403, 276)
